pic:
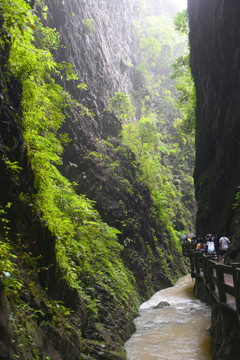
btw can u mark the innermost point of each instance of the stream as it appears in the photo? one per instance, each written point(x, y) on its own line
point(175, 332)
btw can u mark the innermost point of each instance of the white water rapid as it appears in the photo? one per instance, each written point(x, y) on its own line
point(175, 332)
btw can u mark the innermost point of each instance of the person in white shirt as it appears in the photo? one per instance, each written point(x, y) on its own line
point(223, 245)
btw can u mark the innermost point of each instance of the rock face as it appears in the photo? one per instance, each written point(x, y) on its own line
point(99, 41)
point(214, 39)
point(215, 62)
point(98, 38)
point(225, 331)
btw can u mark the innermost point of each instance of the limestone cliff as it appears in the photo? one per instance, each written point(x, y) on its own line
point(214, 39)
point(215, 62)
point(100, 40)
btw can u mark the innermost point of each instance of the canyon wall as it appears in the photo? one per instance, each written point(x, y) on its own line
point(100, 40)
point(215, 63)
point(214, 39)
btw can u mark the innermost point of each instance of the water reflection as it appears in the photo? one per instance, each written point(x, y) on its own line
point(177, 331)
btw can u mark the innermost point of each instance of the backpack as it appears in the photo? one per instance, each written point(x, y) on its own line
point(211, 247)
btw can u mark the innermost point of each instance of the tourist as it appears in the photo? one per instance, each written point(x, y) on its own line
point(223, 245)
point(201, 246)
point(210, 246)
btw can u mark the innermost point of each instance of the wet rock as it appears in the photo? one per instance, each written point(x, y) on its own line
point(161, 305)
point(225, 331)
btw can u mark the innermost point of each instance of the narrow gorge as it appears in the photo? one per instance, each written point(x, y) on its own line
point(97, 112)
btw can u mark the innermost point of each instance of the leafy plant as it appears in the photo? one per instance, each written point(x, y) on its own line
point(185, 85)
point(9, 275)
point(121, 106)
point(89, 24)
point(181, 23)
point(236, 203)
point(13, 167)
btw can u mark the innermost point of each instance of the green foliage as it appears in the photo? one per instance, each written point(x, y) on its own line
point(155, 140)
point(236, 204)
point(186, 90)
point(24, 197)
point(147, 131)
point(121, 106)
point(9, 275)
point(158, 46)
point(89, 24)
point(181, 22)
point(17, 15)
point(155, 157)
point(16, 282)
point(29, 322)
point(45, 38)
point(82, 86)
point(127, 185)
point(13, 167)
point(151, 47)
point(187, 97)
point(69, 73)
point(96, 154)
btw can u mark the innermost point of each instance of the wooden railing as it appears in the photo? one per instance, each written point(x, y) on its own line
point(222, 281)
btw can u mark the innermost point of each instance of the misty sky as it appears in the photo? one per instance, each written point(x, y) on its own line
point(181, 3)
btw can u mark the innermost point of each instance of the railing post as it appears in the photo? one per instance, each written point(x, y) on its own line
point(211, 283)
point(197, 264)
point(208, 274)
point(236, 280)
point(220, 282)
point(204, 261)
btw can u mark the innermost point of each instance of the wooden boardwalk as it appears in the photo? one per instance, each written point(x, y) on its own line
point(222, 281)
